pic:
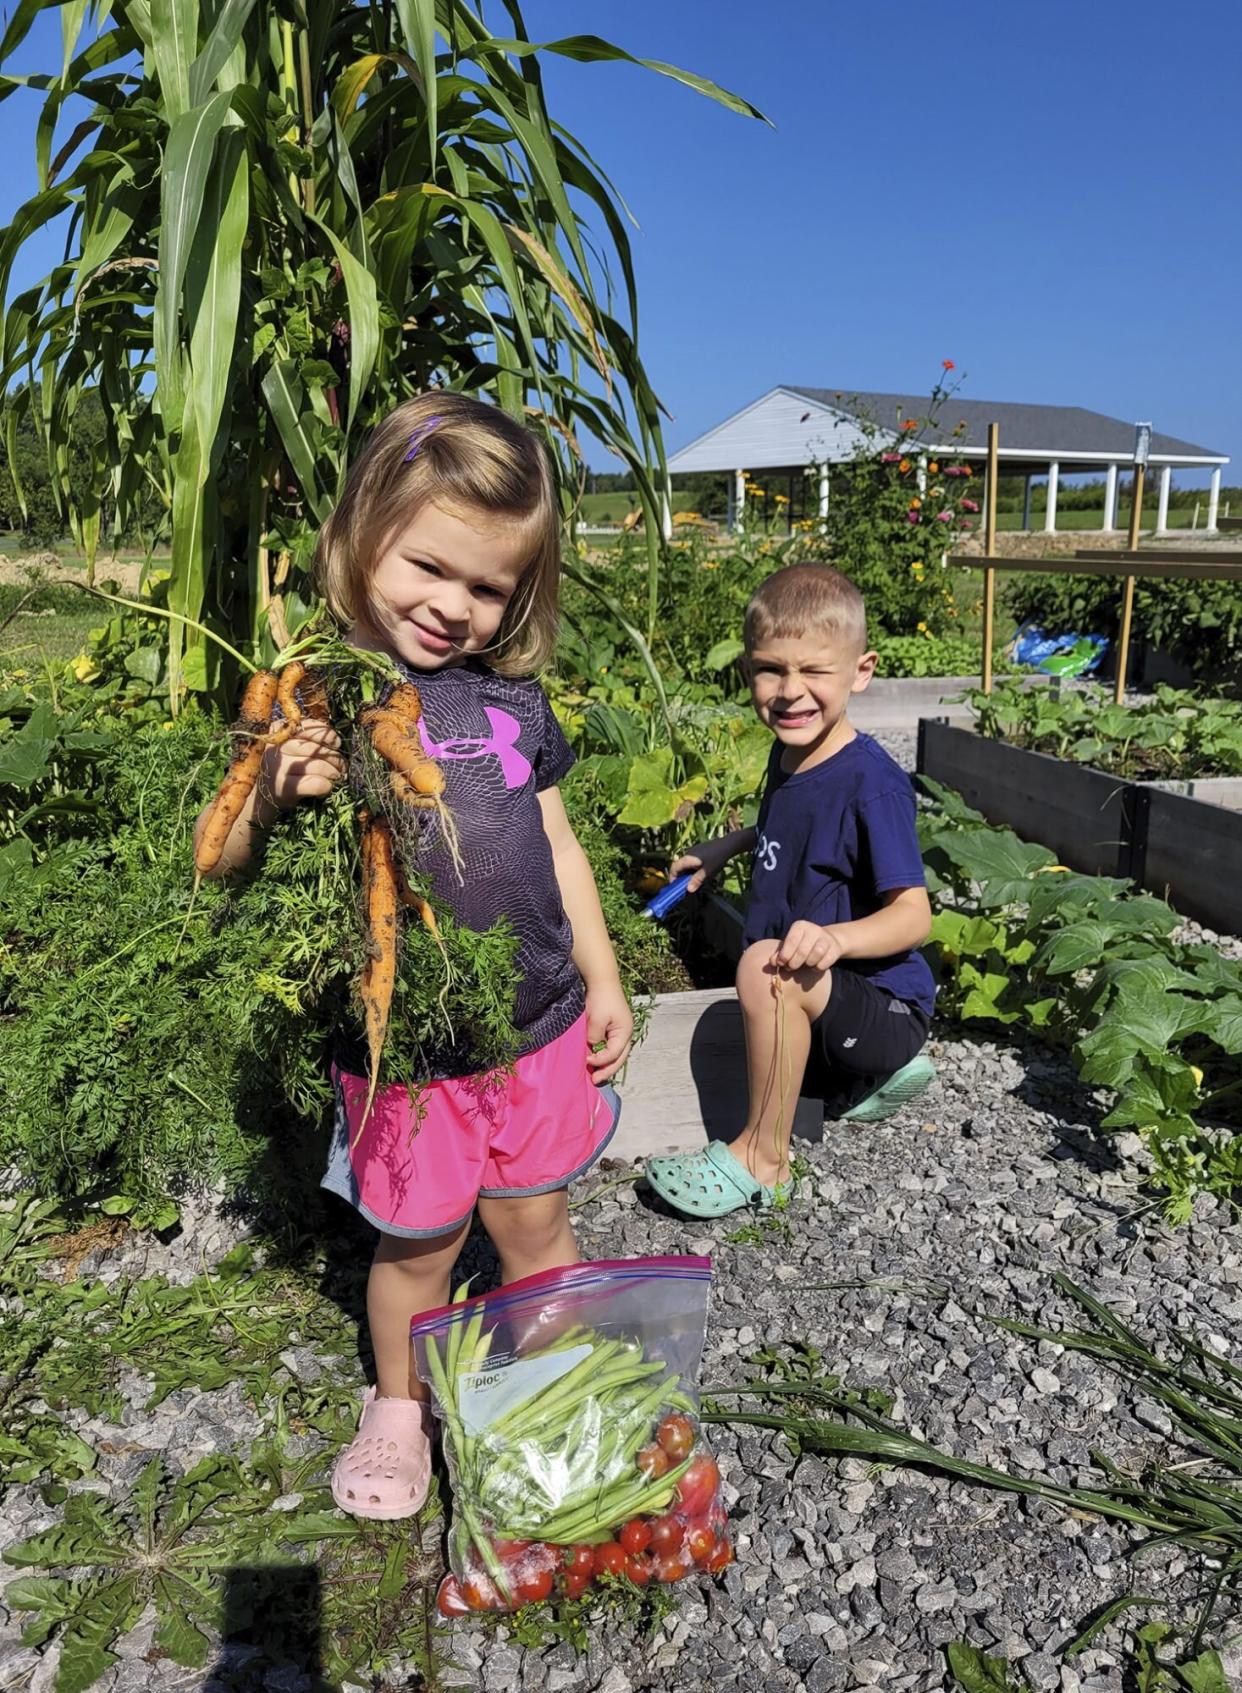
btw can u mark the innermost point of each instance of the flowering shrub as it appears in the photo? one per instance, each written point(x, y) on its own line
point(894, 511)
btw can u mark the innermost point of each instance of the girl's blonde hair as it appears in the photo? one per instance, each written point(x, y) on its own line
point(472, 459)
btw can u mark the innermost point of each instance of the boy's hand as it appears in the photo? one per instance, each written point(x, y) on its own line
point(807, 946)
point(307, 766)
point(610, 1027)
point(705, 860)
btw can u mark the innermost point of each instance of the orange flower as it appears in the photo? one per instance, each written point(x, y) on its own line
point(906, 466)
point(915, 503)
point(911, 423)
point(947, 363)
point(933, 468)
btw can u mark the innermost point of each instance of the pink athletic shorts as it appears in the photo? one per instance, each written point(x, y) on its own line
point(418, 1168)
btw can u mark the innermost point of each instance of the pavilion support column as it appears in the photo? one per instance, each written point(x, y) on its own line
point(1050, 515)
point(739, 497)
point(1213, 500)
point(1162, 506)
point(1110, 500)
point(1026, 503)
point(823, 492)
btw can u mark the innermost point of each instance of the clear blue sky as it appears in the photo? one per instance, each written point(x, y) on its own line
point(1047, 195)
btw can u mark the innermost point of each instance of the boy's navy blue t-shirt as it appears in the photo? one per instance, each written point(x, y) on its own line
point(832, 839)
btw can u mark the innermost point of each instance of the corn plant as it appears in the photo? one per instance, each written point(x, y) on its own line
point(282, 220)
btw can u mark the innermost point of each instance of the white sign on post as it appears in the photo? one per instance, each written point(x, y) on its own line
point(1142, 442)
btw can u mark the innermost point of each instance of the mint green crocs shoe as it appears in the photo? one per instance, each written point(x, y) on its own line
point(710, 1183)
point(901, 1087)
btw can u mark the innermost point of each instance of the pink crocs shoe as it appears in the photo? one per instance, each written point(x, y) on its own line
point(384, 1471)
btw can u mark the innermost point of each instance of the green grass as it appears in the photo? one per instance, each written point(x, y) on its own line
point(1179, 518)
point(615, 507)
point(35, 638)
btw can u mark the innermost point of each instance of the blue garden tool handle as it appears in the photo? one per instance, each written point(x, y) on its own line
point(668, 897)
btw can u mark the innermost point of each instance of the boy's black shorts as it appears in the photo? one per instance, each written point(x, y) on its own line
point(862, 1036)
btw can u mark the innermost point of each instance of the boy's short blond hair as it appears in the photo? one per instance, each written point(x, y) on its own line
point(476, 461)
point(806, 600)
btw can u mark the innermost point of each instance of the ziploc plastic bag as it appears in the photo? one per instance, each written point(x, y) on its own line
point(571, 1434)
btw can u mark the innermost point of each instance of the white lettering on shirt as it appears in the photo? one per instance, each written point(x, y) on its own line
point(765, 853)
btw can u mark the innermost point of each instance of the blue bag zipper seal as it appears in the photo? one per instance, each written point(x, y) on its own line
point(670, 896)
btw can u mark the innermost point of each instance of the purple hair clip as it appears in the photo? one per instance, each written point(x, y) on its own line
point(419, 436)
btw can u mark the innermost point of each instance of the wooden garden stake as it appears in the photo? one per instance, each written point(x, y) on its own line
point(989, 551)
point(1141, 445)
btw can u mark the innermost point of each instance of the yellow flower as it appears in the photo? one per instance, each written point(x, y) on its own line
point(781, 499)
point(1197, 1073)
point(85, 668)
point(1053, 870)
point(167, 724)
point(923, 629)
point(915, 503)
point(933, 468)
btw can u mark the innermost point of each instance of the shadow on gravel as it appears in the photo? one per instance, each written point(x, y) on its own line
point(1074, 1112)
point(272, 1620)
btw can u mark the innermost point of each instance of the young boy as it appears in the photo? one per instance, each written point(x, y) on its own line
point(836, 1000)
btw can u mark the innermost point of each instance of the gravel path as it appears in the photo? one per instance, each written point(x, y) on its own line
point(849, 1577)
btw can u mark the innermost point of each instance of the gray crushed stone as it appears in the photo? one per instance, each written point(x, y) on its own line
point(850, 1575)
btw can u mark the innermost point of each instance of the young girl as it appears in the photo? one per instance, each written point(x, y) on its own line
point(444, 554)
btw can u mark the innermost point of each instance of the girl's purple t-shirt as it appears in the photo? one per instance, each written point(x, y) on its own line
point(499, 747)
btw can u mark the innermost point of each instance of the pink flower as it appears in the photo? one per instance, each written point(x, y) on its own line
point(889, 458)
point(970, 505)
point(944, 517)
point(955, 470)
point(912, 517)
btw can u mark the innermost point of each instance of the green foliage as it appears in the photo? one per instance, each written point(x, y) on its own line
point(291, 225)
point(926, 655)
point(153, 1041)
point(1197, 623)
point(1087, 962)
point(66, 1344)
point(1176, 734)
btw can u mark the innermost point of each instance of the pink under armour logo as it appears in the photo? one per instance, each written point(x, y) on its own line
point(501, 744)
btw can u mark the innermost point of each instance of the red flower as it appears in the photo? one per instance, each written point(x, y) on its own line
point(912, 517)
point(947, 363)
point(970, 505)
point(889, 458)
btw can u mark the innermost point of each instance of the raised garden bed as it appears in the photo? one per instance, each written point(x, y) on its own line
point(1184, 848)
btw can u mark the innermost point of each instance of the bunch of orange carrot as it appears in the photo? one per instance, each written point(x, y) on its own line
point(273, 708)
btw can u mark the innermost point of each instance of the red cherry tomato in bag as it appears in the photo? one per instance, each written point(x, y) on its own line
point(482, 1594)
point(579, 1560)
point(667, 1535)
point(509, 1551)
point(533, 1587)
point(638, 1570)
point(653, 1461)
point(609, 1558)
point(450, 1600)
point(635, 1536)
point(676, 1435)
point(574, 1583)
point(697, 1488)
point(672, 1566)
point(721, 1557)
point(700, 1542)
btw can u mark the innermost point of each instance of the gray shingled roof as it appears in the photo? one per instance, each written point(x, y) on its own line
point(1037, 429)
